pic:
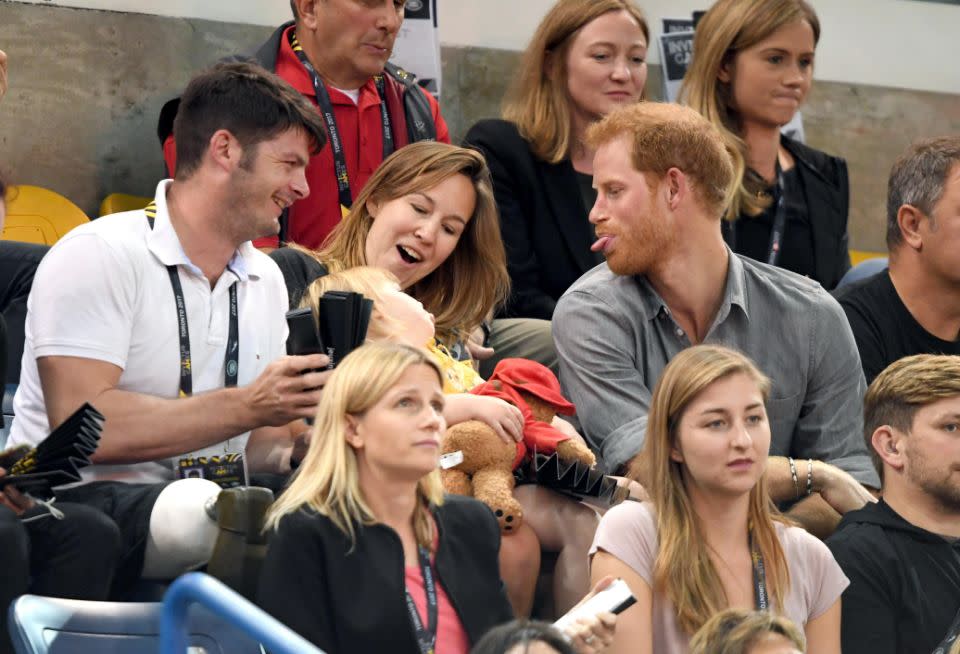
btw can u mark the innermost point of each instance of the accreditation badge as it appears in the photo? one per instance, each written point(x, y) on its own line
point(227, 470)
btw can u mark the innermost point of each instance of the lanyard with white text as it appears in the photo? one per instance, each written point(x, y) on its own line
point(326, 110)
point(779, 220)
point(426, 637)
point(759, 577)
point(232, 356)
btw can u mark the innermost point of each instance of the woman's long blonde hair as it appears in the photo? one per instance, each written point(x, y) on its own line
point(729, 27)
point(370, 282)
point(327, 480)
point(473, 280)
point(538, 102)
point(683, 570)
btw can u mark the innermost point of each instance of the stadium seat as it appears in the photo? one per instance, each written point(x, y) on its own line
point(117, 202)
point(859, 256)
point(46, 625)
point(38, 215)
point(862, 270)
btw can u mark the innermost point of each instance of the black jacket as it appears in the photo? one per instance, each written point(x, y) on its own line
point(904, 583)
point(348, 600)
point(542, 219)
point(826, 191)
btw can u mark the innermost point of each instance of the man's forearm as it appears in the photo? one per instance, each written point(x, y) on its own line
point(815, 515)
point(812, 512)
point(142, 427)
point(780, 479)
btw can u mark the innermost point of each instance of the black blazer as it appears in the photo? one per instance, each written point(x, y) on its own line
point(542, 219)
point(350, 598)
point(826, 190)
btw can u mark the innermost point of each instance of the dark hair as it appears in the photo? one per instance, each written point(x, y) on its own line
point(246, 100)
point(521, 632)
point(293, 8)
point(917, 178)
point(3, 187)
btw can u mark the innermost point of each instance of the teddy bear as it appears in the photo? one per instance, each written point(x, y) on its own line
point(486, 471)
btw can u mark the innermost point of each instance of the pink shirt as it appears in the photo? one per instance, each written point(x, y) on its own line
point(628, 531)
point(451, 637)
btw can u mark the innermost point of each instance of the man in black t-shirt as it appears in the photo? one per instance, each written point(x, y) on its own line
point(914, 307)
point(902, 554)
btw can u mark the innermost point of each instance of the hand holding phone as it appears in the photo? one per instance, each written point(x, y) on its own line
point(615, 598)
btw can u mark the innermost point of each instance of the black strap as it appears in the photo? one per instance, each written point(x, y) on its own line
point(953, 634)
point(729, 227)
point(426, 637)
point(759, 577)
point(779, 220)
point(231, 366)
point(326, 110)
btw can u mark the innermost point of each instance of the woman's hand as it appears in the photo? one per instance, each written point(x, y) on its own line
point(503, 417)
point(568, 430)
point(636, 490)
point(13, 499)
point(594, 634)
point(475, 345)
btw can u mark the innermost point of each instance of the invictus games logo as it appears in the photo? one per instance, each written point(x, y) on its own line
point(232, 368)
point(413, 5)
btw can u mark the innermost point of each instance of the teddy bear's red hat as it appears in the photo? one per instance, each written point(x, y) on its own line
point(534, 378)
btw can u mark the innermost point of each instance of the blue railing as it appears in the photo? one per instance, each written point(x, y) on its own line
point(218, 598)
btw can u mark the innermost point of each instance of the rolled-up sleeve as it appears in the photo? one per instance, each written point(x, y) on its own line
point(830, 426)
point(600, 374)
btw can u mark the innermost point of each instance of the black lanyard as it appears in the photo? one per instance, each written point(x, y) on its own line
point(779, 220)
point(232, 356)
point(426, 638)
point(776, 230)
point(326, 110)
point(759, 577)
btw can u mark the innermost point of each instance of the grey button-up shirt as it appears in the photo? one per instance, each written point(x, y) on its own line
point(614, 336)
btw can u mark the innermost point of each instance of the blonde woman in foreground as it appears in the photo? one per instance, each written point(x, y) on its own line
point(710, 538)
point(367, 553)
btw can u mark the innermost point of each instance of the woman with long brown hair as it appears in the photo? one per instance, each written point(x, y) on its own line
point(752, 69)
point(586, 58)
point(427, 215)
point(710, 537)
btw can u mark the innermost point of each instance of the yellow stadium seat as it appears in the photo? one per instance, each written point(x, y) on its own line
point(117, 202)
point(859, 256)
point(38, 215)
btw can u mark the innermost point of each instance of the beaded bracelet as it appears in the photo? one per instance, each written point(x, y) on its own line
point(793, 474)
point(809, 476)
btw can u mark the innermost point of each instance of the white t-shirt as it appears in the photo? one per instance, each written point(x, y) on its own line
point(628, 531)
point(353, 94)
point(103, 292)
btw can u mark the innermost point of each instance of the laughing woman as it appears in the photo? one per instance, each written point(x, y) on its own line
point(710, 538)
point(752, 69)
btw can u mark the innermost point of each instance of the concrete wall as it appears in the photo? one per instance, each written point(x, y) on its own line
point(899, 43)
point(877, 42)
point(86, 87)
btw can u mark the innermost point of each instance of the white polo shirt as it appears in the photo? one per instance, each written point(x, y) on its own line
point(103, 292)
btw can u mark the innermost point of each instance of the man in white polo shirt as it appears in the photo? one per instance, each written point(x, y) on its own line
point(172, 325)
